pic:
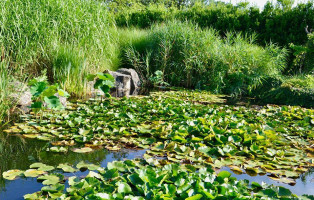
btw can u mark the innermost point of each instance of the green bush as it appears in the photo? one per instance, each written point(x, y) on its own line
point(193, 57)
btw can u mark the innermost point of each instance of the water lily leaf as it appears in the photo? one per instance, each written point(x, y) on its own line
point(66, 168)
point(82, 150)
point(33, 196)
point(42, 167)
point(32, 136)
point(236, 170)
point(49, 179)
point(224, 174)
point(82, 165)
point(284, 192)
point(283, 180)
point(103, 195)
point(12, 174)
point(33, 172)
point(124, 188)
point(53, 188)
point(117, 165)
point(110, 174)
point(57, 149)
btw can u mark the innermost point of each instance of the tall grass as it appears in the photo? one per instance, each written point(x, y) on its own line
point(193, 57)
point(5, 91)
point(68, 38)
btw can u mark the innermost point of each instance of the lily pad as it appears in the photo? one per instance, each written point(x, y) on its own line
point(82, 150)
point(12, 174)
point(33, 172)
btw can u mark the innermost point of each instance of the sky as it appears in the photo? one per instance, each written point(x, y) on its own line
point(259, 3)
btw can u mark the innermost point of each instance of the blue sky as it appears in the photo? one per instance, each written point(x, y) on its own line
point(259, 3)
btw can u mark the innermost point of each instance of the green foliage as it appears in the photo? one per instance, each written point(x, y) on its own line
point(185, 127)
point(42, 93)
point(299, 89)
point(158, 79)
point(104, 82)
point(140, 181)
point(5, 90)
point(193, 57)
point(68, 38)
point(304, 56)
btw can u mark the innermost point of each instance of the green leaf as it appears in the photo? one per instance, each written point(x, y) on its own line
point(42, 167)
point(284, 192)
point(53, 102)
point(37, 89)
point(82, 150)
point(63, 93)
point(66, 168)
point(83, 165)
point(12, 174)
point(195, 197)
point(33, 173)
point(124, 188)
point(224, 174)
point(90, 77)
point(117, 165)
point(49, 179)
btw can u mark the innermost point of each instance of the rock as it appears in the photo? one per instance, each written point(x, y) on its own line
point(127, 82)
point(21, 96)
point(122, 84)
point(135, 80)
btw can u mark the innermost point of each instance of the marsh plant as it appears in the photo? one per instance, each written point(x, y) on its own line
point(5, 90)
point(188, 55)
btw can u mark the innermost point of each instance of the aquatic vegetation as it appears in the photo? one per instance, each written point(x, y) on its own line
point(137, 179)
point(184, 127)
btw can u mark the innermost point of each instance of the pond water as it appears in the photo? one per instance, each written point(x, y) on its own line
point(19, 153)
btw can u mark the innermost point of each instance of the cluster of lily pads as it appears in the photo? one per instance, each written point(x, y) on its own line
point(186, 127)
point(137, 180)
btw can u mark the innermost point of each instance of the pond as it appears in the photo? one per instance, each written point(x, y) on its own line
point(193, 132)
point(19, 153)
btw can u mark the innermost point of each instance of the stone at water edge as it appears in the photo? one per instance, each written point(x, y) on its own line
point(122, 84)
point(135, 80)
